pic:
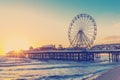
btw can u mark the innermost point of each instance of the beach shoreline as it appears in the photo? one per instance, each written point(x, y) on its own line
point(110, 74)
point(100, 75)
point(93, 76)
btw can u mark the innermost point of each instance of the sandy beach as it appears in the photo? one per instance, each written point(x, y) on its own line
point(112, 74)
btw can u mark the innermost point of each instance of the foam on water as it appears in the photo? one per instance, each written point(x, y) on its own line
point(24, 68)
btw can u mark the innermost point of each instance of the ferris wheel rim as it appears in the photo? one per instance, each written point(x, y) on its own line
point(87, 21)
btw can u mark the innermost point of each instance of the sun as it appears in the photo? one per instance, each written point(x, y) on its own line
point(16, 45)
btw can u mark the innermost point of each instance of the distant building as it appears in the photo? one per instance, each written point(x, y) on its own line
point(60, 47)
point(45, 47)
point(48, 47)
point(107, 46)
point(31, 48)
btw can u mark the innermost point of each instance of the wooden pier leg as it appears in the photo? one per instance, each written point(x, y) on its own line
point(70, 56)
point(86, 57)
point(56, 56)
point(93, 57)
point(116, 57)
point(109, 57)
point(78, 56)
point(81, 56)
point(67, 55)
point(43, 55)
point(112, 57)
point(89, 56)
point(73, 56)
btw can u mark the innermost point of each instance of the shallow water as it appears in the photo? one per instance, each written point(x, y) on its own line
point(28, 69)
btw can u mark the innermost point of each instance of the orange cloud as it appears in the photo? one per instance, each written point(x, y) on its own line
point(109, 39)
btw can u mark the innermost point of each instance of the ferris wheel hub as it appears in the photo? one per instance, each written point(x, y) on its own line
point(80, 31)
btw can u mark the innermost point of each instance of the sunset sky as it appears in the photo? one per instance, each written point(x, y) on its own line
point(25, 23)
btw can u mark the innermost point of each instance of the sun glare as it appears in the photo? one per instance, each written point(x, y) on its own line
point(16, 45)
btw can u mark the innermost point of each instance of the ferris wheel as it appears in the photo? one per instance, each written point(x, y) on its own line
point(82, 31)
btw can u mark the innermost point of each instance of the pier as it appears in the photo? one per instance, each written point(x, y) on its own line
point(80, 36)
point(75, 55)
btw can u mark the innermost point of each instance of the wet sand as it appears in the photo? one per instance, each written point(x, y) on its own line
point(112, 74)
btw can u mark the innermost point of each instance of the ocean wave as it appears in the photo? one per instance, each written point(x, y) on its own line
point(61, 77)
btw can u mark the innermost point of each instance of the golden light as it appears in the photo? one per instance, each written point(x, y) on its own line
point(16, 44)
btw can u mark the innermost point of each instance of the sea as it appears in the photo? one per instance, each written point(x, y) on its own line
point(35, 69)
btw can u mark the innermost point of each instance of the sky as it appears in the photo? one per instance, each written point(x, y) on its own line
point(25, 23)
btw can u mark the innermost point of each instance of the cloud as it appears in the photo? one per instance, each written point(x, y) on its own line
point(109, 40)
point(117, 25)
